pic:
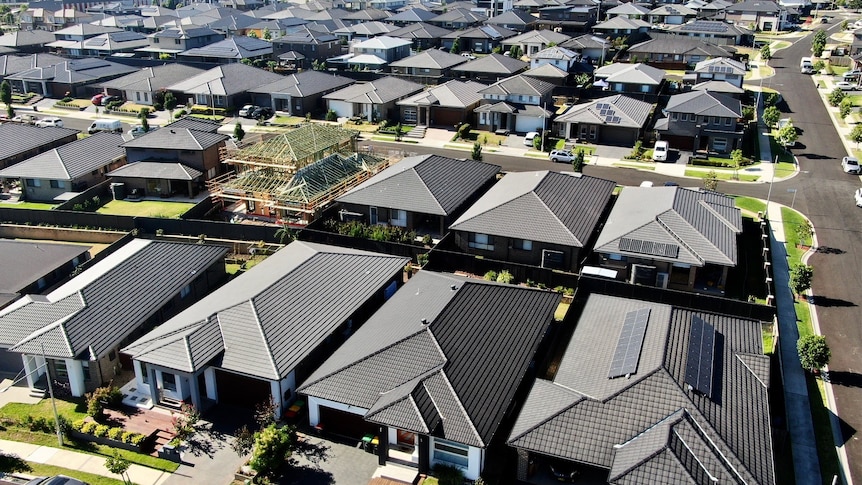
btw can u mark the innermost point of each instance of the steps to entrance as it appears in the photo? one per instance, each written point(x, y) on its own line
point(37, 393)
point(417, 132)
point(396, 472)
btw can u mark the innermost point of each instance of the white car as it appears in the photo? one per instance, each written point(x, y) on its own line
point(845, 86)
point(659, 152)
point(50, 121)
point(247, 110)
point(561, 156)
point(858, 197)
point(850, 165)
point(528, 140)
point(468, 55)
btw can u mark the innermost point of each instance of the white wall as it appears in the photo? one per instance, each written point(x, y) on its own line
point(314, 404)
point(342, 108)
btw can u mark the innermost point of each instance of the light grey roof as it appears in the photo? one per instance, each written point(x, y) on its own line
point(226, 80)
point(513, 17)
point(673, 10)
point(195, 124)
point(380, 91)
point(551, 207)
point(185, 32)
point(157, 170)
point(629, 112)
point(72, 160)
point(585, 41)
point(459, 15)
point(11, 64)
point(631, 73)
point(717, 87)
point(555, 52)
point(537, 37)
point(493, 64)
point(176, 138)
point(628, 9)
point(622, 23)
point(419, 30)
point(519, 84)
point(92, 313)
point(759, 6)
point(412, 15)
point(451, 94)
point(381, 42)
point(115, 41)
point(24, 263)
point(720, 65)
point(151, 79)
point(425, 184)
point(88, 30)
point(265, 322)
point(549, 71)
point(16, 138)
point(430, 59)
point(703, 225)
point(305, 83)
point(22, 38)
point(489, 32)
point(704, 103)
point(237, 47)
point(629, 424)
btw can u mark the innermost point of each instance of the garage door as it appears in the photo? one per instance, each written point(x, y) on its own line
point(343, 108)
point(611, 135)
point(10, 362)
point(524, 124)
point(345, 424)
point(446, 117)
point(240, 390)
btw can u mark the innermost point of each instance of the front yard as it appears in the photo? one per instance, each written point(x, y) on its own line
point(146, 208)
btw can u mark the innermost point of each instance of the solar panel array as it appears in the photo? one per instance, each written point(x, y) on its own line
point(706, 26)
point(701, 347)
point(629, 344)
point(725, 69)
point(608, 113)
point(640, 246)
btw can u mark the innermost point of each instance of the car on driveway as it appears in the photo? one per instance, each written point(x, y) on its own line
point(858, 197)
point(850, 165)
point(262, 113)
point(247, 110)
point(528, 139)
point(50, 121)
point(561, 156)
point(659, 152)
point(845, 86)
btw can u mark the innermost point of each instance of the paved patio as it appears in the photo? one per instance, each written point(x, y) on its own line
point(344, 465)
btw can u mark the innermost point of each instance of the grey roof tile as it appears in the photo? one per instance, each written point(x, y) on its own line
point(493, 64)
point(196, 124)
point(72, 160)
point(306, 83)
point(451, 94)
point(538, 37)
point(519, 84)
point(237, 47)
point(633, 113)
point(226, 80)
point(380, 91)
point(24, 262)
point(157, 169)
point(151, 79)
point(16, 139)
point(431, 59)
point(631, 73)
point(177, 139)
point(704, 103)
point(419, 30)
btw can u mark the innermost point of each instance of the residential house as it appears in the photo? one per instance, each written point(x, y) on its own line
point(720, 69)
point(672, 14)
point(458, 18)
point(423, 193)
point(759, 15)
point(558, 216)
point(613, 120)
point(223, 86)
point(494, 7)
point(674, 394)
point(516, 103)
point(634, 79)
point(575, 17)
point(373, 100)
point(232, 49)
point(448, 104)
point(74, 77)
point(313, 45)
point(559, 57)
point(364, 31)
point(620, 26)
point(388, 5)
point(550, 73)
point(673, 237)
point(714, 31)
point(430, 63)
point(27, 41)
point(366, 15)
point(145, 85)
point(264, 28)
point(590, 47)
point(242, 5)
point(627, 10)
point(675, 51)
point(68, 168)
point(419, 357)
point(702, 120)
point(171, 41)
point(722, 87)
point(52, 16)
point(241, 345)
point(70, 39)
point(483, 39)
point(12, 64)
point(19, 142)
point(376, 53)
point(300, 93)
point(534, 41)
point(411, 16)
point(423, 36)
point(109, 44)
point(492, 68)
point(79, 328)
point(130, 22)
point(516, 20)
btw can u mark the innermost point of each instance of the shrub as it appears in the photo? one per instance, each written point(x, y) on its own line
point(115, 434)
point(464, 131)
point(67, 99)
point(127, 436)
point(78, 424)
point(836, 96)
point(101, 430)
point(180, 113)
point(158, 107)
point(448, 475)
point(505, 277)
point(89, 427)
point(331, 115)
point(137, 439)
point(427, 240)
point(491, 275)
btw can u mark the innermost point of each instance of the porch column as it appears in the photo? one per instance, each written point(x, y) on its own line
point(424, 454)
point(154, 384)
point(139, 377)
point(210, 378)
point(195, 392)
point(723, 279)
point(382, 445)
point(428, 116)
point(275, 392)
point(692, 275)
point(31, 367)
point(191, 189)
point(523, 464)
point(76, 377)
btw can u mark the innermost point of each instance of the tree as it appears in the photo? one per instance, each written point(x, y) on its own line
point(737, 158)
point(253, 34)
point(10, 463)
point(515, 52)
point(800, 278)
point(284, 233)
point(267, 34)
point(856, 134)
point(456, 47)
point(836, 96)
point(118, 465)
point(710, 181)
point(243, 441)
point(845, 24)
point(855, 4)
point(771, 99)
point(476, 154)
point(814, 353)
point(170, 103)
point(787, 135)
point(272, 446)
point(145, 123)
point(399, 132)
point(748, 113)
point(845, 107)
point(238, 132)
point(766, 52)
point(6, 94)
point(578, 161)
point(770, 116)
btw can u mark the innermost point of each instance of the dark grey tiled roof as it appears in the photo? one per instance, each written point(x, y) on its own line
point(76, 71)
point(412, 15)
point(99, 308)
point(379, 91)
point(419, 30)
point(306, 83)
point(632, 113)
point(195, 124)
point(226, 80)
point(11, 64)
point(648, 427)
point(15, 138)
point(545, 206)
point(431, 59)
point(152, 79)
point(427, 184)
point(238, 47)
point(177, 139)
point(675, 44)
point(492, 64)
point(513, 17)
point(157, 170)
point(72, 160)
point(519, 84)
point(474, 329)
point(25, 262)
point(705, 103)
point(265, 322)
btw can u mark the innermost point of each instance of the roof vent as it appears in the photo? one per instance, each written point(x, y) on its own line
point(424, 321)
point(454, 287)
point(172, 131)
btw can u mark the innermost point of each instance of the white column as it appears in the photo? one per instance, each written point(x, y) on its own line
point(210, 377)
point(393, 436)
point(275, 391)
point(31, 368)
point(139, 377)
point(76, 377)
point(313, 411)
point(195, 392)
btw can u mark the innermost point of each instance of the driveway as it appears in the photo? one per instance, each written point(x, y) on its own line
point(344, 465)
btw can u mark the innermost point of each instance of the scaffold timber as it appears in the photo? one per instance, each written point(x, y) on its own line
point(292, 150)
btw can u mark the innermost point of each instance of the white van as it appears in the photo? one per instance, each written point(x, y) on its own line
point(806, 66)
point(105, 125)
point(659, 153)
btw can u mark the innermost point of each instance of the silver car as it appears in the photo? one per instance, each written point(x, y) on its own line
point(561, 156)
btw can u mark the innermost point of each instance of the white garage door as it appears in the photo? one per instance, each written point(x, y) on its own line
point(524, 124)
point(343, 108)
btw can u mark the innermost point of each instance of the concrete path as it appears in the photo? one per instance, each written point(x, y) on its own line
point(82, 462)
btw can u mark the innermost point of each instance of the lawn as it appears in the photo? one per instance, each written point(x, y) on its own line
point(633, 165)
point(50, 470)
point(750, 204)
point(485, 138)
point(561, 311)
point(208, 117)
point(779, 45)
point(287, 120)
point(784, 155)
point(723, 175)
point(146, 208)
point(30, 205)
point(855, 99)
point(768, 338)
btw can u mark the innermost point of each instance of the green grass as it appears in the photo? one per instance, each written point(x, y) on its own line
point(768, 339)
point(561, 311)
point(146, 208)
point(287, 120)
point(856, 99)
point(431, 481)
point(723, 175)
point(30, 205)
point(50, 470)
point(750, 204)
point(632, 165)
point(779, 45)
point(208, 117)
point(485, 137)
point(72, 410)
point(840, 70)
point(793, 220)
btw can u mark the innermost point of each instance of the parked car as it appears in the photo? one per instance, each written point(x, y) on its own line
point(56, 480)
point(561, 156)
point(27, 119)
point(845, 86)
point(247, 110)
point(849, 75)
point(858, 197)
point(850, 165)
point(97, 99)
point(49, 121)
point(528, 140)
point(468, 55)
point(138, 130)
point(106, 100)
point(106, 124)
point(659, 152)
point(262, 113)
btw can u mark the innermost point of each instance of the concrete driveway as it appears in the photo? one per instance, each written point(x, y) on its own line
point(344, 465)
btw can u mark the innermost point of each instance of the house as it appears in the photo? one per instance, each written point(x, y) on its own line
point(627, 10)
point(424, 193)
point(373, 100)
point(68, 168)
point(547, 219)
point(722, 87)
point(415, 375)
point(672, 14)
point(145, 85)
point(701, 120)
point(516, 103)
point(366, 15)
point(575, 17)
point(108, 44)
point(720, 69)
point(634, 79)
point(389, 49)
point(590, 47)
point(19, 142)
point(315, 46)
point(264, 28)
point(422, 35)
point(494, 7)
point(300, 93)
point(516, 20)
point(613, 120)
point(430, 63)
point(68, 40)
point(534, 41)
point(79, 328)
point(410, 16)
point(714, 31)
point(492, 67)
point(364, 31)
point(559, 57)
point(759, 15)
point(458, 18)
point(27, 41)
point(483, 39)
point(622, 26)
point(241, 345)
point(675, 51)
point(34, 267)
point(223, 86)
point(12, 64)
point(448, 104)
point(68, 78)
point(673, 394)
point(232, 49)
point(672, 237)
point(173, 40)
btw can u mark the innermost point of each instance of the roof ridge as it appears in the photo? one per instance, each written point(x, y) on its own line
point(674, 235)
point(544, 421)
point(461, 407)
point(709, 206)
point(551, 211)
point(264, 338)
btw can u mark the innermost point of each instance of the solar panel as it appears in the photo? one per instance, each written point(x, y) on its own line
point(603, 106)
point(701, 347)
point(603, 112)
point(640, 246)
point(608, 119)
point(616, 119)
point(629, 344)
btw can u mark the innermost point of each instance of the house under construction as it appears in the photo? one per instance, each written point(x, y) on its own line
point(291, 177)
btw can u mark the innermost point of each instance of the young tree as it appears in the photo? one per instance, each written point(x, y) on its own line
point(856, 134)
point(10, 463)
point(243, 441)
point(737, 158)
point(836, 96)
point(119, 465)
point(814, 353)
point(238, 132)
point(170, 103)
point(845, 107)
point(770, 116)
point(399, 132)
point(253, 34)
point(787, 135)
point(710, 181)
point(145, 124)
point(578, 161)
point(456, 47)
point(272, 446)
point(6, 93)
point(766, 52)
point(476, 154)
point(800, 278)
point(267, 35)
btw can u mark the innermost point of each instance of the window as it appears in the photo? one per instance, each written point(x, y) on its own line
point(249, 205)
point(451, 453)
point(146, 96)
point(372, 215)
point(112, 355)
point(155, 40)
point(219, 100)
point(177, 41)
point(481, 241)
point(398, 218)
point(719, 144)
point(58, 184)
point(169, 381)
point(683, 116)
point(145, 373)
point(644, 88)
point(61, 373)
point(138, 95)
point(674, 116)
point(85, 366)
point(186, 291)
point(522, 244)
point(34, 183)
point(728, 121)
point(202, 99)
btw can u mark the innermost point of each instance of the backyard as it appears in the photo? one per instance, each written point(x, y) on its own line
point(146, 208)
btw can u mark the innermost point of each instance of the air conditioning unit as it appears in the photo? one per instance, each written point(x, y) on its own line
point(661, 280)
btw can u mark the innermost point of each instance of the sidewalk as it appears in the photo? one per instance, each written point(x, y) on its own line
point(83, 462)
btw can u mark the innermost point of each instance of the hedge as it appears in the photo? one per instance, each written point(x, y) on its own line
point(91, 428)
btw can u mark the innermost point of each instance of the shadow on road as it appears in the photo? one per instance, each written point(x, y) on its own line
point(825, 301)
point(813, 156)
point(828, 250)
point(844, 378)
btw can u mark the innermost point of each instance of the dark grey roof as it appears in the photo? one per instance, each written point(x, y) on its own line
point(368, 14)
point(451, 94)
point(157, 170)
point(488, 32)
point(16, 138)
point(24, 263)
point(648, 427)
point(459, 15)
point(519, 84)
point(419, 30)
point(717, 87)
point(430, 59)
point(513, 17)
point(265, 322)
point(705, 103)
point(712, 27)
point(237, 47)
point(26, 38)
point(435, 376)
point(72, 160)
point(493, 64)
point(552, 207)
point(618, 110)
point(675, 44)
point(426, 184)
point(75, 71)
point(412, 15)
point(582, 42)
point(704, 225)
point(196, 124)
point(88, 316)
point(177, 139)
point(226, 80)
point(759, 6)
point(306, 83)
point(305, 36)
point(380, 91)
